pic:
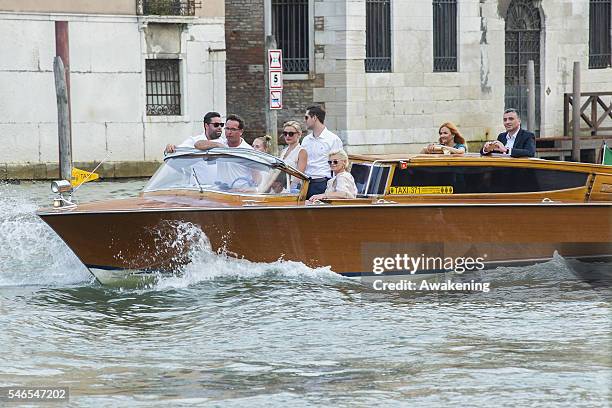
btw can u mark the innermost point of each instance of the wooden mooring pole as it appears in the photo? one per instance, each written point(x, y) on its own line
point(61, 69)
point(63, 120)
point(531, 96)
point(576, 113)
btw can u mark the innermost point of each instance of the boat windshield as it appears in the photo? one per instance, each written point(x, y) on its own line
point(219, 173)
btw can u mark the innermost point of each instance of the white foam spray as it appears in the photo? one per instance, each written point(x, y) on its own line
point(30, 252)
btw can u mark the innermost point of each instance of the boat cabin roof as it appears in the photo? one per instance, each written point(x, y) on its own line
point(249, 154)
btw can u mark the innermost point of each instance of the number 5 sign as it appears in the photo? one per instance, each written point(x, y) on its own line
point(276, 79)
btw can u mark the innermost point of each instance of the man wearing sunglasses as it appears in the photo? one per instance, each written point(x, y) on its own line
point(213, 128)
point(318, 144)
point(234, 127)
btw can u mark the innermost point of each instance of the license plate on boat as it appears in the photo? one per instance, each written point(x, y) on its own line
point(421, 190)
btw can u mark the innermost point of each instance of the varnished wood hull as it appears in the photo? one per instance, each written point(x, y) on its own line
point(345, 238)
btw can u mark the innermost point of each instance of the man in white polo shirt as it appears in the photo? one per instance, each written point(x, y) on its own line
point(318, 144)
point(213, 128)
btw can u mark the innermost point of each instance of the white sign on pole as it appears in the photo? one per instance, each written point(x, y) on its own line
point(275, 59)
point(276, 99)
point(276, 79)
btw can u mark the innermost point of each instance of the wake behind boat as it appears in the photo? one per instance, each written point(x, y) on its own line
point(415, 216)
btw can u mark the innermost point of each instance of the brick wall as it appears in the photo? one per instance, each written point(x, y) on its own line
point(244, 41)
point(245, 65)
point(297, 96)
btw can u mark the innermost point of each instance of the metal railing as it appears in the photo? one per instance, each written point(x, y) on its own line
point(167, 7)
point(163, 87)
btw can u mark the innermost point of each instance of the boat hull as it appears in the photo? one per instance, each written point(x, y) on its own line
point(349, 238)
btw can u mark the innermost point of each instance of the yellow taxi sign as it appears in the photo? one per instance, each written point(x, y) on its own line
point(404, 190)
point(79, 176)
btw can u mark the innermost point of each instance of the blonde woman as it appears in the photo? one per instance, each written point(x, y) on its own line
point(450, 140)
point(262, 143)
point(342, 185)
point(294, 154)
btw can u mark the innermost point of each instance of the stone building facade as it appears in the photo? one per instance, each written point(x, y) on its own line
point(111, 46)
point(400, 110)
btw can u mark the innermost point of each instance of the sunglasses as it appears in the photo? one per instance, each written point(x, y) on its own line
point(334, 162)
point(220, 124)
point(289, 133)
point(231, 129)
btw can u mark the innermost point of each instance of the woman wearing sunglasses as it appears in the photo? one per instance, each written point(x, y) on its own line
point(294, 154)
point(342, 185)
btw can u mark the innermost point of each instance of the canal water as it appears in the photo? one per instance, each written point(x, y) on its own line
point(232, 333)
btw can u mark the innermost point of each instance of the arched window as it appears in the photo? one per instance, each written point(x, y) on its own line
point(523, 27)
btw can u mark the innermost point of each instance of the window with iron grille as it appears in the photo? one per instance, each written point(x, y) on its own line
point(378, 36)
point(163, 87)
point(600, 55)
point(445, 35)
point(290, 26)
point(167, 7)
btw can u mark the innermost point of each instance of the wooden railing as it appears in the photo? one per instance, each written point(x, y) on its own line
point(595, 128)
point(595, 119)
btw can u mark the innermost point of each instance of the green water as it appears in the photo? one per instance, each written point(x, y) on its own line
point(233, 333)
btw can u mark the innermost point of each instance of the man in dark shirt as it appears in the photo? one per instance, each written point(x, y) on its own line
point(515, 142)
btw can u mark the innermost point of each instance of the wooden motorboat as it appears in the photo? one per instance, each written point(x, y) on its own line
point(493, 210)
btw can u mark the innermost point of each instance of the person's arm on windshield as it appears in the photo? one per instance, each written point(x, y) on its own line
point(207, 144)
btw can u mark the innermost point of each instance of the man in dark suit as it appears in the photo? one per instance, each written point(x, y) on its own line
point(515, 142)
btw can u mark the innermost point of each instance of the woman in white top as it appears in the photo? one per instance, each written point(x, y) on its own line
point(342, 185)
point(294, 154)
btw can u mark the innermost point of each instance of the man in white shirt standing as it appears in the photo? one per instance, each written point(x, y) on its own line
point(213, 127)
point(318, 144)
point(515, 142)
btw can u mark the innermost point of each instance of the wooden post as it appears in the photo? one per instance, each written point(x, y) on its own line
point(594, 115)
point(63, 120)
point(271, 114)
point(531, 96)
point(566, 103)
point(576, 113)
